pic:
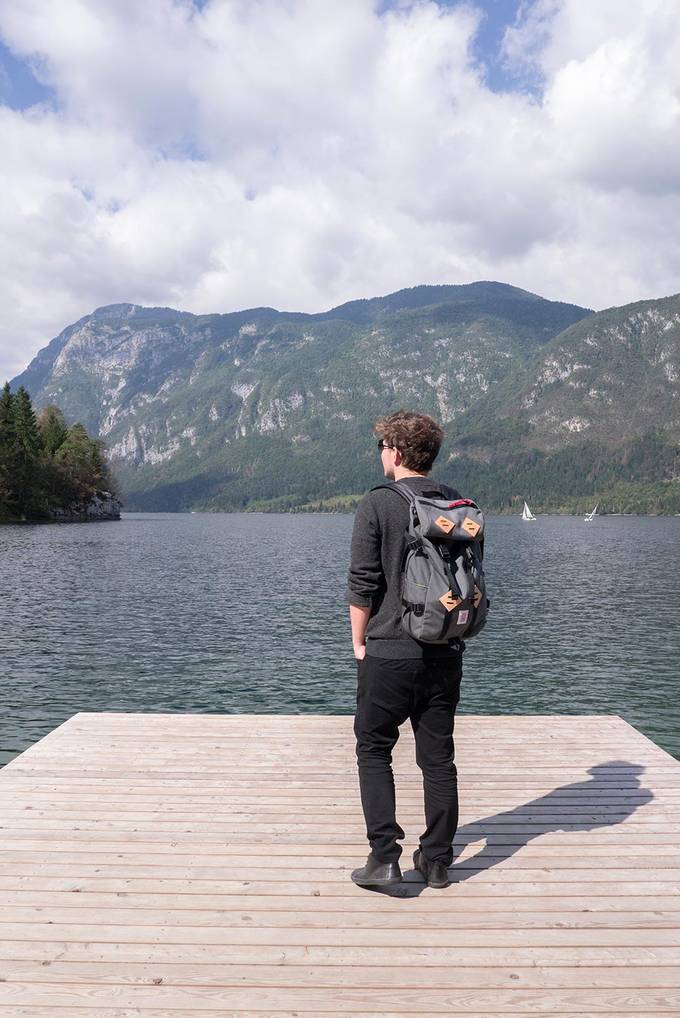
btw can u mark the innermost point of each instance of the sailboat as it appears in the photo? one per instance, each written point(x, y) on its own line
point(590, 516)
point(527, 514)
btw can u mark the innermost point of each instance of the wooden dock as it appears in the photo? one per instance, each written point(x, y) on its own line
point(169, 865)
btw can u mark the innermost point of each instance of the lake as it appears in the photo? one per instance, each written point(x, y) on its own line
point(245, 613)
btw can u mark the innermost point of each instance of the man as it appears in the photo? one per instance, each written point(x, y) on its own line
point(399, 677)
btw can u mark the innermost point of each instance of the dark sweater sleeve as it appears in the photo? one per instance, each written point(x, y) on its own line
point(366, 578)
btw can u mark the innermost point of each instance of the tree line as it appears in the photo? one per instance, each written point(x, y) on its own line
point(45, 465)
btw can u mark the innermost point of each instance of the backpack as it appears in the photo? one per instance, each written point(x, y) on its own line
point(443, 592)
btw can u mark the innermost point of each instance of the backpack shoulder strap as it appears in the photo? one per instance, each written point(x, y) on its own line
point(401, 489)
point(445, 491)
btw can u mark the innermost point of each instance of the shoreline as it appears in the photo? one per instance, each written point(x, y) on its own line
point(350, 512)
point(42, 521)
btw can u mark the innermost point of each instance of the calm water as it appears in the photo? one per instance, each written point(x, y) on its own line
point(240, 613)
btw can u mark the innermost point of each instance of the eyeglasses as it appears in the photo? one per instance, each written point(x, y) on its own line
point(381, 445)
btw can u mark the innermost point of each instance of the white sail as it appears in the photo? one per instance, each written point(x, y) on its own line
point(590, 516)
point(527, 513)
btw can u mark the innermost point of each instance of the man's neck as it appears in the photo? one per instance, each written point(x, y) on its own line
point(400, 472)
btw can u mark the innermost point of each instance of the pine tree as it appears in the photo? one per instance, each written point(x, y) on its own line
point(52, 428)
point(29, 449)
point(7, 451)
point(6, 410)
point(29, 440)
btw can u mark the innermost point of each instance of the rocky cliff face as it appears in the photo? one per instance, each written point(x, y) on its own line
point(103, 506)
point(222, 408)
point(610, 378)
point(221, 411)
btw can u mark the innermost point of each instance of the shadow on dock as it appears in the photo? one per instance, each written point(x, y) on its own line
point(516, 827)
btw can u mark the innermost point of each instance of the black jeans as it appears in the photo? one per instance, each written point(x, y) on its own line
point(388, 693)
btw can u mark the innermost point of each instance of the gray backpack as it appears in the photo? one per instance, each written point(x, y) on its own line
point(443, 590)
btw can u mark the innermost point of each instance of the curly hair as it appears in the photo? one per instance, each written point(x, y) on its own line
point(417, 437)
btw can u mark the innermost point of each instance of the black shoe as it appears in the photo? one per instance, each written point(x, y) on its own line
point(435, 874)
point(377, 874)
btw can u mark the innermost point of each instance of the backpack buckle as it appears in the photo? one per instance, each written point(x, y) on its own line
point(417, 608)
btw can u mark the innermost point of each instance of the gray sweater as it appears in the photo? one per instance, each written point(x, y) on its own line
point(374, 578)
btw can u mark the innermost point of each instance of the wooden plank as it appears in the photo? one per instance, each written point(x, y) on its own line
point(313, 817)
point(320, 1000)
point(25, 872)
point(243, 869)
point(296, 789)
point(292, 843)
point(579, 960)
point(441, 914)
point(17, 806)
point(298, 831)
point(36, 1011)
point(303, 842)
point(567, 959)
point(188, 893)
point(267, 756)
point(394, 934)
point(369, 977)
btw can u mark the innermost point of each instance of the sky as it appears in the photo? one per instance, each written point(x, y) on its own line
point(224, 154)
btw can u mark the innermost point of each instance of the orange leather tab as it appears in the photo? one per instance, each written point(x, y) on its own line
point(470, 527)
point(450, 601)
point(445, 524)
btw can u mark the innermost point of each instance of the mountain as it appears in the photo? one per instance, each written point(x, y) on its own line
point(595, 413)
point(611, 377)
point(262, 406)
point(270, 409)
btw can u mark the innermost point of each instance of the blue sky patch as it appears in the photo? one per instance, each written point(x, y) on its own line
point(19, 87)
point(497, 16)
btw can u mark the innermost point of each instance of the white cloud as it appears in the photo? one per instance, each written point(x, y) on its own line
point(298, 154)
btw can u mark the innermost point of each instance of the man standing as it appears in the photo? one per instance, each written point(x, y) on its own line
point(399, 677)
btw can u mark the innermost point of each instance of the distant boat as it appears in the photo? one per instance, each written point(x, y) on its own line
point(590, 516)
point(527, 514)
